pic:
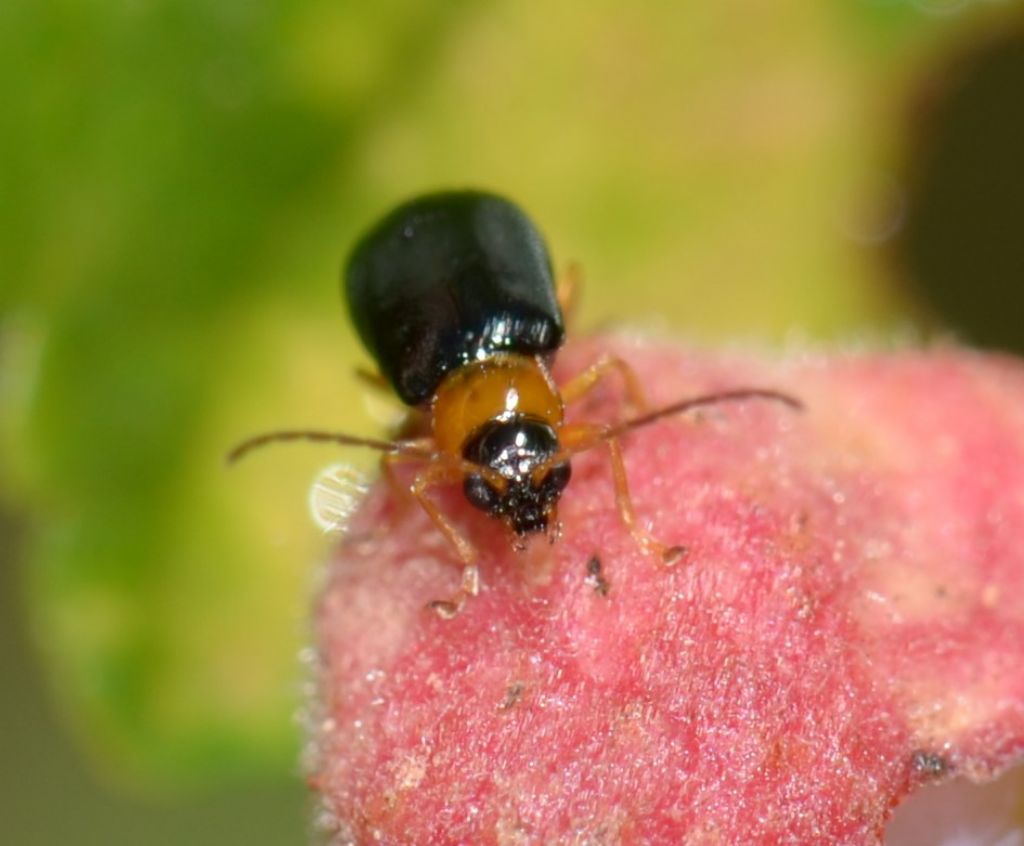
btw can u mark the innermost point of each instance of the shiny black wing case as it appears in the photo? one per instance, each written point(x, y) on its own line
point(450, 278)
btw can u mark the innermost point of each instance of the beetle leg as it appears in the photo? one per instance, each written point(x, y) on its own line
point(446, 609)
point(568, 291)
point(668, 555)
point(388, 464)
point(583, 383)
point(444, 471)
point(438, 474)
point(374, 379)
point(583, 436)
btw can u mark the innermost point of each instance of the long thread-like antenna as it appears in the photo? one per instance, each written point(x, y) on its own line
point(735, 395)
point(318, 436)
point(258, 441)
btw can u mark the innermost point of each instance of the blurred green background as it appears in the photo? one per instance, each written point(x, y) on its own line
point(178, 184)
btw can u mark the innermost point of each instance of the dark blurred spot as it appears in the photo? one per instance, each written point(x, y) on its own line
point(962, 244)
point(513, 693)
point(928, 765)
point(595, 578)
point(674, 554)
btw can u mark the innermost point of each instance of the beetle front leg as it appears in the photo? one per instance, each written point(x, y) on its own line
point(438, 474)
point(583, 436)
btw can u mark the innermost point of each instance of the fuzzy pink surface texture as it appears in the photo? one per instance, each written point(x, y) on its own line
point(846, 624)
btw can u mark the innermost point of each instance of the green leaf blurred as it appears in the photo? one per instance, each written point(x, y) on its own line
point(180, 181)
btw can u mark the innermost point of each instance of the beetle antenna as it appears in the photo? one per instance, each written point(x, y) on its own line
point(735, 395)
point(247, 446)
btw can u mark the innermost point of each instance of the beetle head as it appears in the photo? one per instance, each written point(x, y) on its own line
point(517, 450)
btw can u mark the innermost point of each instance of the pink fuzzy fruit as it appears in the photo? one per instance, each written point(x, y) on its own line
point(847, 622)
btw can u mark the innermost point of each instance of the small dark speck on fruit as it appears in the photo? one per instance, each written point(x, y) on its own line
point(595, 578)
point(674, 554)
point(513, 693)
point(928, 765)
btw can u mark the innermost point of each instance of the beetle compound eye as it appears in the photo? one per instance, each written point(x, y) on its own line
point(481, 493)
point(555, 481)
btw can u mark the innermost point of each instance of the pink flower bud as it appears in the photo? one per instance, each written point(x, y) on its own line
point(847, 622)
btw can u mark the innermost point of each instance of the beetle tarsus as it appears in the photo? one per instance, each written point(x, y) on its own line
point(447, 609)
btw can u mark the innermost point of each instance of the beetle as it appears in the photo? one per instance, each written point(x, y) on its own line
point(454, 297)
